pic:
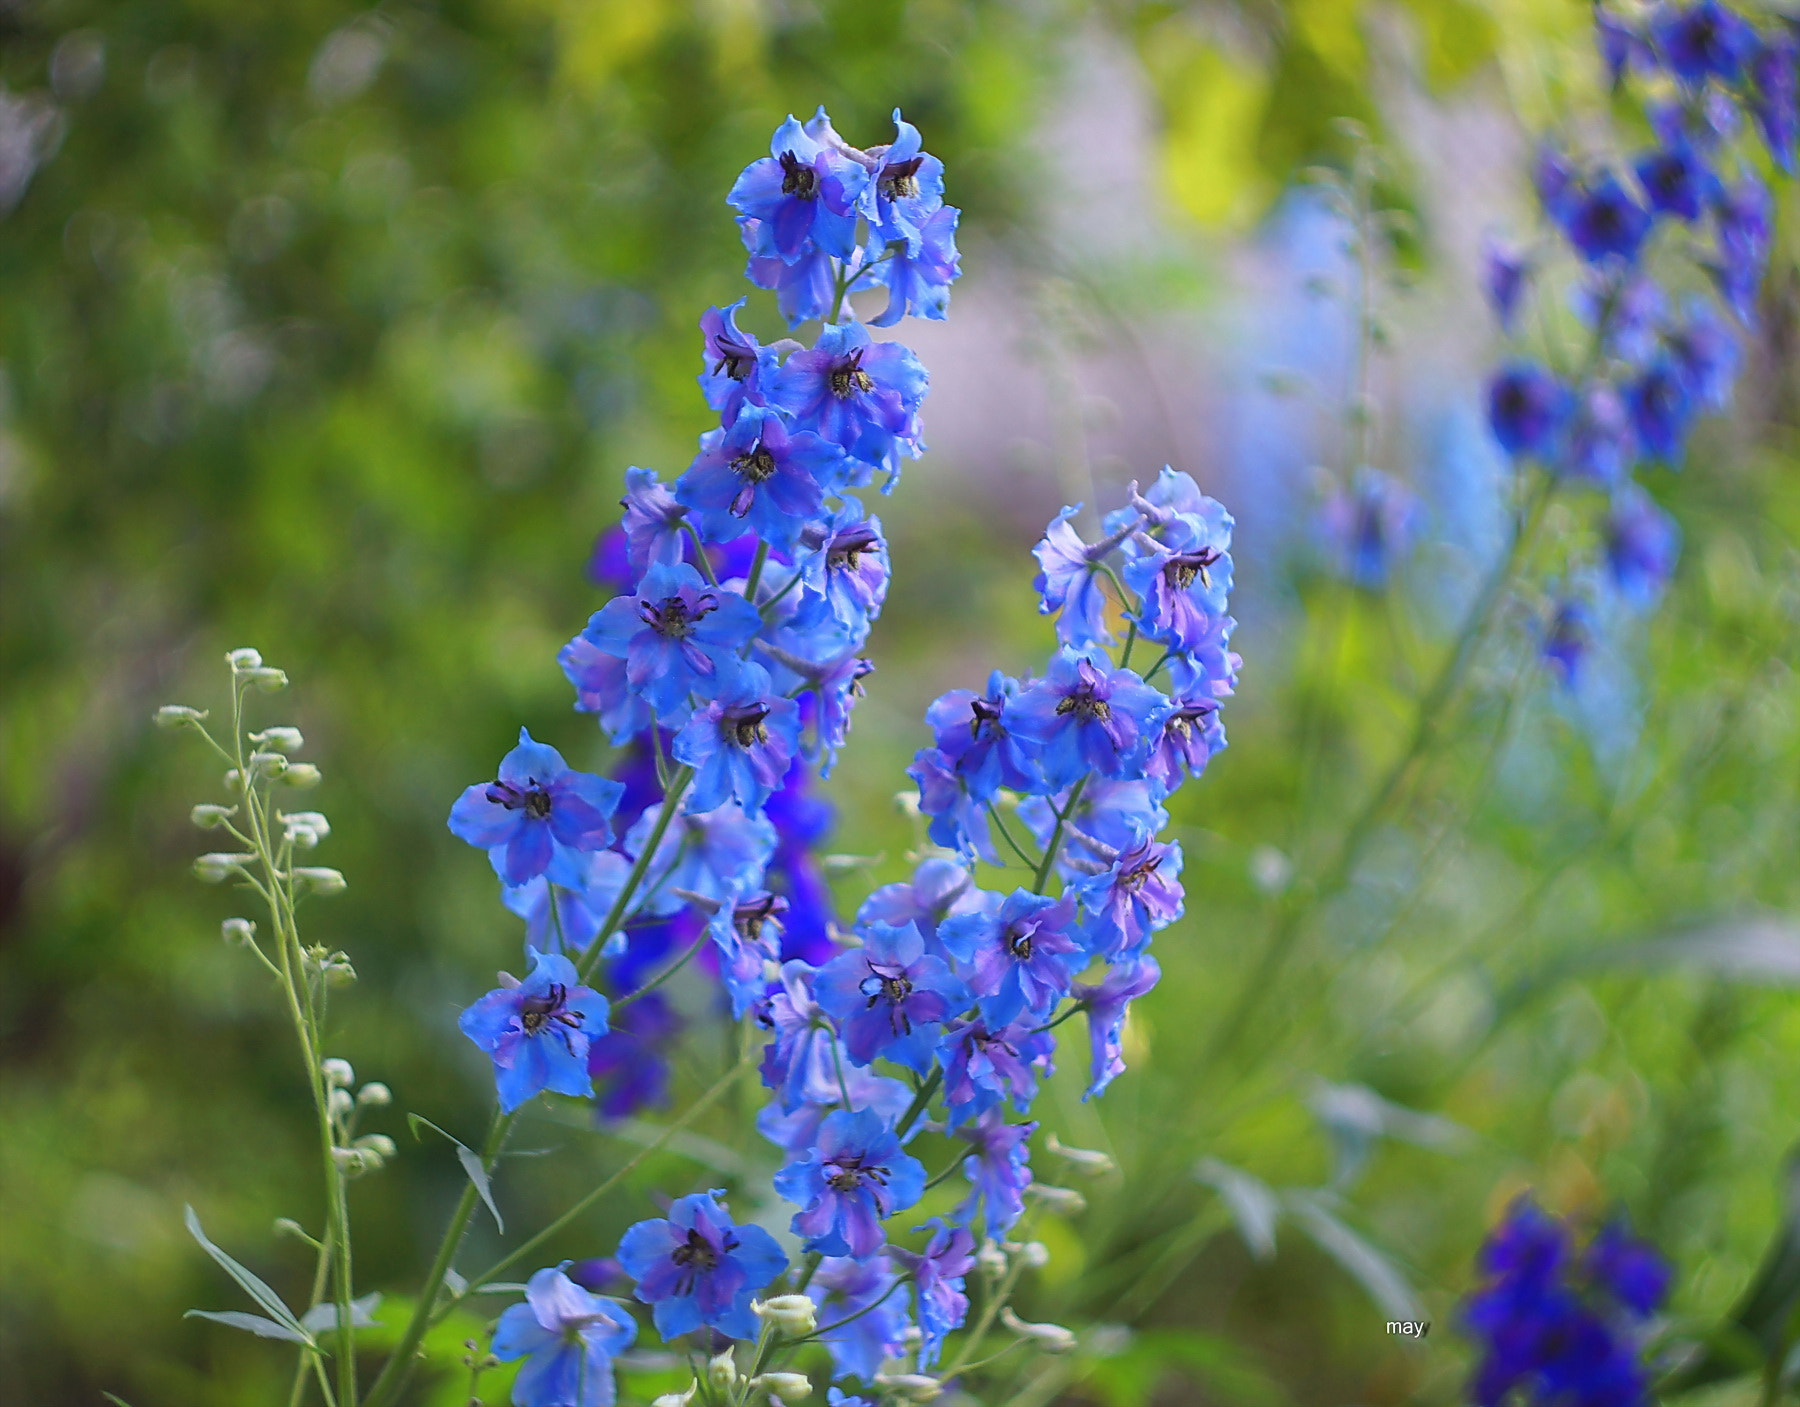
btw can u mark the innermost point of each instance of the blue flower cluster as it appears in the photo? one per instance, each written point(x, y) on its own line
point(1712, 87)
point(1559, 1323)
point(726, 668)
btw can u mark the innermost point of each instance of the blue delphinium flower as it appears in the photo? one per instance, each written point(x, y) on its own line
point(697, 1268)
point(800, 1054)
point(1086, 716)
point(804, 290)
point(999, 1171)
point(802, 196)
point(957, 819)
point(739, 369)
point(1134, 897)
point(857, 1295)
point(537, 1032)
point(629, 1064)
point(1526, 407)
point(1191, 731)
point(860, 394)
point(855, 1177)
point(1370, 529)
point(844, 570)
point(1566, 638)
point(1642, 542)
point(938, 1273)
point(890, 997)
point(580, 909)
point(568, 1339)
point(652, 521)
point(1183, 573)
point(985, 1064)
point(1504, 275)
point(601, 688)
point(715, 854)
point(939, 888)
point(917, 280)
point(906, 190)
point(1106, 1004)
point(1558, 1327)
point(1602, 220)
point(1662, 408)
point(746, 939)
point(759, 477)
point(538, 817)
point(1677, 181)
point(1019, 957)
point(1704, 40)
point(976, 743)
point(675, 636)
point(1069, 583)
point(740, 744)
point(1599, 442)
point(1107, 817)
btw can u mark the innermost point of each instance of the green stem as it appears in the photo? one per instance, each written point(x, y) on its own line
point(665, 974)
point(706, 566)
point(1007, 836)
point(616, 915)
point(920, 1100)
point(757, 564)
point(1056, 835)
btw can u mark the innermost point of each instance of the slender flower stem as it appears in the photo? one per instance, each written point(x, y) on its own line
point(920, 1100)
point(757, 564)
point(1007, 836)
point(1056, 836)
point(664, 975)
point(616, 915)
point(700, 554)
point(1432, 715)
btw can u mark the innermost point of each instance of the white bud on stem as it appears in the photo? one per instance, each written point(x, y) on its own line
point(266, 680)
point(793, 1315)
point(304, 829)
point(240, 932)
point(243, 659)
point(1034, 1255)
point(301, 776)
point(677, 1399)
point(341, 1103)
point(784, 1385)
point(910, 1387)
point(721, 1370)
point(1089, 1160)
point(1051, 1338)
point(179, 716)
point(219, 866)
point(375, 1094)
point(991, 1259)
point(318, 879)
point(1065, 1201)
point(279, 739)
point(377, 1145)
point(339, 1074)
point(268, 764)
point(210, 816)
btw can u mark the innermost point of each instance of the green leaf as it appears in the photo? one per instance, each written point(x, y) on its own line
point(114, 1398)
point(251, 1283)
point(1369, 1267)
point(250, 1323)
point(323, 1317)
point(1253, 1204)
point(471, 1165)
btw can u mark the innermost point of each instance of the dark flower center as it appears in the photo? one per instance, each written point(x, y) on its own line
point(531, 798)
point(985, 713)
point(901, 180)
point(850, 1172)
point(845, 552)
point(758, 465)
point(674, 617)
point(1137, 876)
point(1181, 569)
point(798, 179)
point(886, 983)
point(735, 360)
point(746, 726)
point(696, 1253)
point(535, 1013)
point(750, 918)
point(1085, 707)
point(1018, 943)
point(848, 377)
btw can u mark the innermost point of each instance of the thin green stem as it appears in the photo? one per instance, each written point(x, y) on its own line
point(1007, 836)
point(663, 976)
point(757, 564)
point(700, 554)
point(1056, 836)
point(671, 803)
point(920, 1100)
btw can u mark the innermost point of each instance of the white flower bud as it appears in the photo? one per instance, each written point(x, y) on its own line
point(234, 780)
point(1034, 1255)
point(991, 1259)
point(341, 1103)
point(784, 1385)
point(910, 1387)
point(908, 802)
point(1051, 1338)
point(210, 816)
point(793, 1315)
point(1065, 1201)
point(240, 932)
point(301, 776)
point(287, 1226)
point(721, 1370)
point(246, 658)
point(350, 1161)
point(1089, 1160)
point(279, 739)
point(219, 866)
point(339, 973)
point(338, 1073)
point(179, 716)
point(267, 681)
point(268, 764)
point(911, 1338)
point(677, 1399)
point(377, 1144)
point(304, 829)
point(318, 879)
point(375, 1094)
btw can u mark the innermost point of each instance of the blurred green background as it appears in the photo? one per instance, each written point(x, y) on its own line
point(332, 332)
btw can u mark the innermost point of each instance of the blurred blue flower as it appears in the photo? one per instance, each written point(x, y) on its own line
point(1107, 1003)
point(938, 1275)
point(1526, 409)
point(999, 1171)
point(860, 1292)
point(568, 1339)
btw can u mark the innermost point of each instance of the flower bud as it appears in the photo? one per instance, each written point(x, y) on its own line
point(1089, 1160)
point(793, 1315)
point(268, 764)
point(1034, 1255)
point(320, 880)
point(210, 816)
point(174, 716)
point(1051, 1338)
point(784, 1385)
point(239, 932)
point(267, 681)
point(991, 1259)
point(910, 1387)
point(1065, 1201)
point(234, 780)
point(377, 1144)
point(301, 776)
point(339, 1074)
point(341, 1102)
point(677, 1399)
point(375, 1094)
point(304, 829)
point(243, 659)
point(721, 1370)
point(219, 866)
point(287, 1226)
point(279, 739)
point(352, 1162)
